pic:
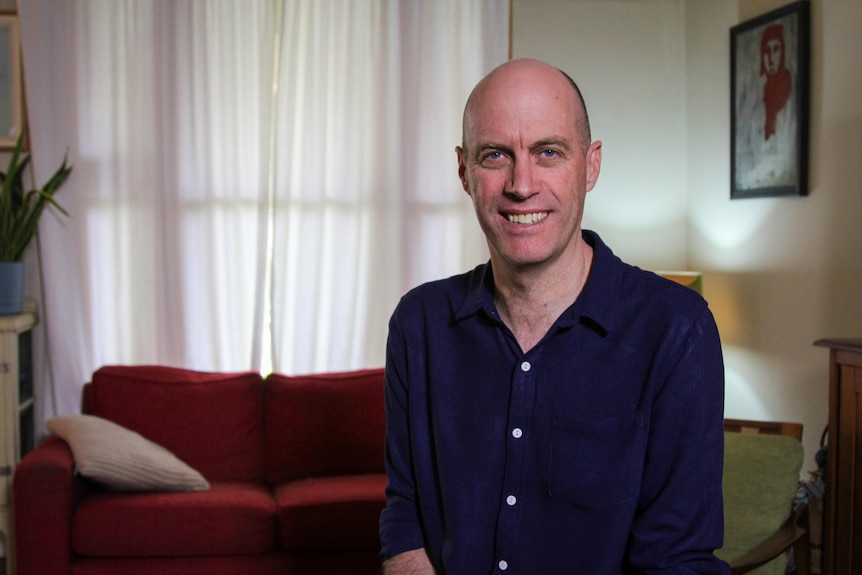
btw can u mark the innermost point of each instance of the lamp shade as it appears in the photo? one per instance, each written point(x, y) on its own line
point(693, 280)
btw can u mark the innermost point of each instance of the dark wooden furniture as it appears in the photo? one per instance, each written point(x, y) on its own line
point(842, 521)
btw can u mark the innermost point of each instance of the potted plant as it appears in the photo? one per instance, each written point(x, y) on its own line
point(20, 211)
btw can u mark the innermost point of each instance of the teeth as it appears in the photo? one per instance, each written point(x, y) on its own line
point(527, 218)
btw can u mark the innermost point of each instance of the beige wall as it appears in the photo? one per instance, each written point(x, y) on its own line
point(779, 272)
point(628, 61)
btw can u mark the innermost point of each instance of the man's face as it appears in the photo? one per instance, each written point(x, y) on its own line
point(526, 167)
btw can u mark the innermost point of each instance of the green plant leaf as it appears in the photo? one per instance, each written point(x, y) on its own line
point(21, 209)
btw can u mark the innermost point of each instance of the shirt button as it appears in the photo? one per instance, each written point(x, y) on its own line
point(503, 565)
point(525, 366)
point(517, 433)
point(511, 500)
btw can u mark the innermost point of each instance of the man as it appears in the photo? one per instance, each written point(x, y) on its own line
point(556, 410)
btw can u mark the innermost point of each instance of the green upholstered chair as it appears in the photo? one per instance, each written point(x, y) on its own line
point(762, 461)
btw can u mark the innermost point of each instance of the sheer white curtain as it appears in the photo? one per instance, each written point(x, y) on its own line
point(368, 201)
point(255, 183)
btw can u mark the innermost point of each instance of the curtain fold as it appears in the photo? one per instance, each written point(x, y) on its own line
point(255, 183)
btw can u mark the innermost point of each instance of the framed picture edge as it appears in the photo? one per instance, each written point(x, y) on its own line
point(15, 87)
point(802, 9)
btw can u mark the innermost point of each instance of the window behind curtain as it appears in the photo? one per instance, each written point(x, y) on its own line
point(256, 183)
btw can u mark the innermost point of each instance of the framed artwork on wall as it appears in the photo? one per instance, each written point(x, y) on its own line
point(11, 94)
point(769, 95)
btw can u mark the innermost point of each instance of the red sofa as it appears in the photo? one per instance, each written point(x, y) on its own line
point(295, 467)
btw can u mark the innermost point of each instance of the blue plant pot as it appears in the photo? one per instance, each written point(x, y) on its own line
point(11, 287)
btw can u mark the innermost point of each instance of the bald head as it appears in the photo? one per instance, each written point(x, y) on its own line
point(525, 74)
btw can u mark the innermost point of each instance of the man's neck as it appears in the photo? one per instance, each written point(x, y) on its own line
point(531, 299)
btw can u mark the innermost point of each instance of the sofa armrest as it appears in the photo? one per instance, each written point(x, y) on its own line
point(46, 491)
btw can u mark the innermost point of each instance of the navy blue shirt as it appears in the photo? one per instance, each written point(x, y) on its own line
point(597, 452)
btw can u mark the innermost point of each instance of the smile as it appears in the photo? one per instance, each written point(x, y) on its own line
point(533, 218)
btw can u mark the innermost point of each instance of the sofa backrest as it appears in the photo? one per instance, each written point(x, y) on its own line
point(324, 425)
point(212, 421)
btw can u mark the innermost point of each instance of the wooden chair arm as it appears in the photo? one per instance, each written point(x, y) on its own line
point(794, 530)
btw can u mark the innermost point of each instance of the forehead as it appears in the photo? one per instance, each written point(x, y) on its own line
point(526, 106)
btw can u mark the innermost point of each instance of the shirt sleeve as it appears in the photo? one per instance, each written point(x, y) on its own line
point(679, 520)
point(400, 528)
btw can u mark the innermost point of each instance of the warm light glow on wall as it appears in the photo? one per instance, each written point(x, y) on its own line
point(729, 226)
point(729, 307)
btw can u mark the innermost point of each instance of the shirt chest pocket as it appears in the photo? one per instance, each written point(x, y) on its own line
point(596, 463)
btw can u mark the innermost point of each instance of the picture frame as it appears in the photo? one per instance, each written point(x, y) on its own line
point(769, 112)
point(11, 89)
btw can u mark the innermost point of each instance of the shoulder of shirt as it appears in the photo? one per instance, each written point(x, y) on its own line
point(620, 289)
point(442, 295)
point(664, 294)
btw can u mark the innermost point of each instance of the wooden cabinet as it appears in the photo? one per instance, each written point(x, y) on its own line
point(842, 522)
point(16, 408)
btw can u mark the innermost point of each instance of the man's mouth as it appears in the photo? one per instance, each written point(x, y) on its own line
point(533, 218)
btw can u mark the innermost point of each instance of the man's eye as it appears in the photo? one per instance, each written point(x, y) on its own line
point(549, 153)
point(493, 158)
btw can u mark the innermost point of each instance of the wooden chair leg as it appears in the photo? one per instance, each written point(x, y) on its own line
point(802, 546)
point(802, 555)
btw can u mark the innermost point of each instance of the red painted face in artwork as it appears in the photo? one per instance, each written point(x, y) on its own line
point(779, 84)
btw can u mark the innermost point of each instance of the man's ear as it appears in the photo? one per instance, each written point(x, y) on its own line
point(462, 168)
point(594, 164)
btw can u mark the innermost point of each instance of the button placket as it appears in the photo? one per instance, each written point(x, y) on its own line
point(520, 408)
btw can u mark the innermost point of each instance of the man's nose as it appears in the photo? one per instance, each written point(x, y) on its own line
point(521, 180)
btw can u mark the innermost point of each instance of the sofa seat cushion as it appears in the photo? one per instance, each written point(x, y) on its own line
point(331, 513)
point(229, 519)
point(265, 564)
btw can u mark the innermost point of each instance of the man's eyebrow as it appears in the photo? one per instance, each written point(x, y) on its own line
point(553, 143)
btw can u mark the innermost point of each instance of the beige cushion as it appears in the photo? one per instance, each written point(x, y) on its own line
point(122, 460)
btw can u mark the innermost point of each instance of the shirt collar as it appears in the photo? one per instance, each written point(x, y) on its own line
point(480, 294)
point(593, 308)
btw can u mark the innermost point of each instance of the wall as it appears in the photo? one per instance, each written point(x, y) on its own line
point(779, 272)
point(626, 58)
